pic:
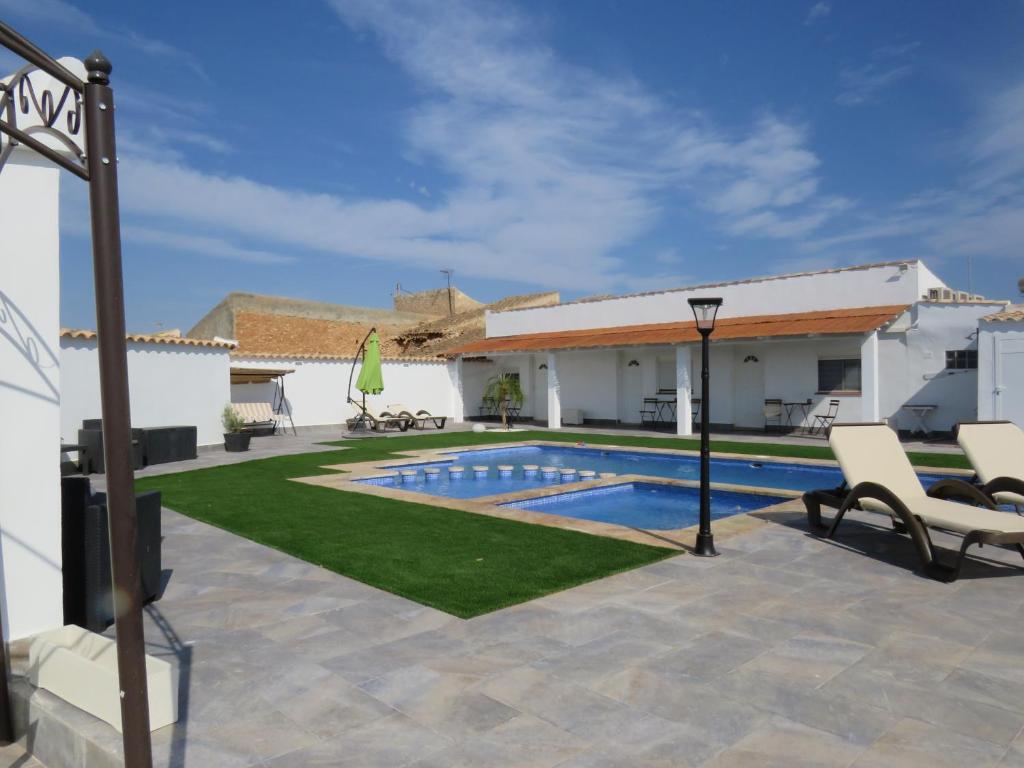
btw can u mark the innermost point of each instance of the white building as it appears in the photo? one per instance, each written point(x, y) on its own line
point(875, 338)
point(1001, 366)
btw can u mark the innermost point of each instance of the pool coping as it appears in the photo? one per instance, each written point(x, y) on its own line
point(344, 476)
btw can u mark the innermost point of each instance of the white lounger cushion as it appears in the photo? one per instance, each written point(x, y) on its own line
point(995, 450)
point(873, 454)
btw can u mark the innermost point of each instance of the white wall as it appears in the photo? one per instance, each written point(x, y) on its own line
point(912, 365)
point(30, 545)
point(170, 385)
point(1000, 392)
point(877, 286)
point(316, 391)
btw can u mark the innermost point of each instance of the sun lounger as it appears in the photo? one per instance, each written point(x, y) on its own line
point(418, 419)
point(377, 422)
point(996, 451)
point(880, 478)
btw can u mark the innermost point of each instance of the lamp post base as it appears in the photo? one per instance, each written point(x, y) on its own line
point(705, 546)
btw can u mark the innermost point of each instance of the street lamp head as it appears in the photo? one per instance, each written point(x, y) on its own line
point(704, 311)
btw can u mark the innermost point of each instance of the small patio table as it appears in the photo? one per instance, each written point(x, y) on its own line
point(921, 413)
point(803, 406)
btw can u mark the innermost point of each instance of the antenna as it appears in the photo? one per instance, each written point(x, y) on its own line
point(448, 273)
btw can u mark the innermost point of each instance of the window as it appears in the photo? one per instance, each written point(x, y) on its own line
point(839, 375)
point(962, 359)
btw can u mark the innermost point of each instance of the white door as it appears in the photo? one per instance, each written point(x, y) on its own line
point(631, 392)
point(1010, 380)
point(747, 390)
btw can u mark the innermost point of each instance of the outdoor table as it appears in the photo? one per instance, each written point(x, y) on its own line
point(803, 406)
point(921, 413)
point(666, 410)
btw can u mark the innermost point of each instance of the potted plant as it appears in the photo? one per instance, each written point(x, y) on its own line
point(504, 390)
point(235, 436)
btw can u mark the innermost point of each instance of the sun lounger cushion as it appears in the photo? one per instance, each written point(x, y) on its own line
point(872, 453)
point(995, 450)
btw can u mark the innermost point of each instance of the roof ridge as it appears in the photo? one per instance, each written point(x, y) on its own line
point(723, 283)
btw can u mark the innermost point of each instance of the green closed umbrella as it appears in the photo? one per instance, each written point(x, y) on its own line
point(371, 378)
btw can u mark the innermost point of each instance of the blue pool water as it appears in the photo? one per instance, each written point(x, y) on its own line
point(767, 474)
point(643, 505)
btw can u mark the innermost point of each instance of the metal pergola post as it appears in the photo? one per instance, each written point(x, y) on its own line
point(98, 166)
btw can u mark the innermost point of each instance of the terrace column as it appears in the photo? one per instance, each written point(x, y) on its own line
point(869, 396)
point(458, 401)
point(554, 393)
point(684, 390)
point(31, 583)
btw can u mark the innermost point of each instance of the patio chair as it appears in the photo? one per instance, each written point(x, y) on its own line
point(823, 421)
point(694, 408)
point(773, 412)
point(996, 451)
point(649, 410)
point(880, 478)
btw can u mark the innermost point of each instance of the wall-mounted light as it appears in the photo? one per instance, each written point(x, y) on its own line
point(751, 359)
point(633, 364)
point(542, 367)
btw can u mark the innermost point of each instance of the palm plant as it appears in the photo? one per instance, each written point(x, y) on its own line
point(504, 390)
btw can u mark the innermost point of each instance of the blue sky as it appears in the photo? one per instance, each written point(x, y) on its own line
point(336, 148)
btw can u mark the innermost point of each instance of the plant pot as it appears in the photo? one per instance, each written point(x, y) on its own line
point(237, 441)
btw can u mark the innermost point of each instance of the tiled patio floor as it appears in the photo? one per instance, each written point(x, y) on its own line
point(786, 651)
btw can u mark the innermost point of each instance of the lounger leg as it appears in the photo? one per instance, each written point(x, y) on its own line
point(813, 506)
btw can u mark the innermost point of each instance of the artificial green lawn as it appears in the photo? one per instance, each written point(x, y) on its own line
point(455, 561)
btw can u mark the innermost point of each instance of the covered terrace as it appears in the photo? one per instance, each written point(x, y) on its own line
point(623, 374)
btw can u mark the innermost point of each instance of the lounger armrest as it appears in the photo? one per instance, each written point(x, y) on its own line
point(955, 488)
point(1003, 485)
point(878, 492)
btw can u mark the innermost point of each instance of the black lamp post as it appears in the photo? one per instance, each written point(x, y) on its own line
point(704, 311)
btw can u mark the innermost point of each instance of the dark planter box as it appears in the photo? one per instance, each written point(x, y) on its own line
point(166, 444)
point(91, 455)
point(236, 442)
point(85, 545)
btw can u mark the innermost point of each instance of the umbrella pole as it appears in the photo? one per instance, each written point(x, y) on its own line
point(361, 349)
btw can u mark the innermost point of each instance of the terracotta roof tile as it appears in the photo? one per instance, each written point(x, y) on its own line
point(831, 322)
point(1013, 313)
point(146, 338)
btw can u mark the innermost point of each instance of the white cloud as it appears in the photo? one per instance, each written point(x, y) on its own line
point(887, 66)
point(818, 11)
point(983, 215)
point(67, 15)
point(557, 170)
point(206, 246)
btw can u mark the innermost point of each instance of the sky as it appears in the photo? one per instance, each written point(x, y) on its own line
point(333, 149)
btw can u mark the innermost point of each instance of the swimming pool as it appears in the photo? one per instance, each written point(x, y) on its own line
point(764, 474)
point(650, 506)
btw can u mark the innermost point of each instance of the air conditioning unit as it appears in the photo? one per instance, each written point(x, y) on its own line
point(963, 297)
point(940, 294)
point(977, 297)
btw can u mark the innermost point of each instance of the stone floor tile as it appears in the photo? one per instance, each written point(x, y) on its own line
point(811, 658)
point(781, 743)
point(391, 741)
point(709, 656)
point(912, 744)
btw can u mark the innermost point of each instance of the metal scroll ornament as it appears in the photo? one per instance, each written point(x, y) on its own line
point(54, 111)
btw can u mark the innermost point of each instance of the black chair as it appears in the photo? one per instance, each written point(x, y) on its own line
point(695, 408)
point(823, 421)
point(773, 412)
point(649, 411)
point(85, 548)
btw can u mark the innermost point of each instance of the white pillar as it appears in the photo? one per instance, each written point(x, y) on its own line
point(527, 371)
point(869, 396)
point(554, 393)
point(458, 401)
point(684, 390)
point(31, 584)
